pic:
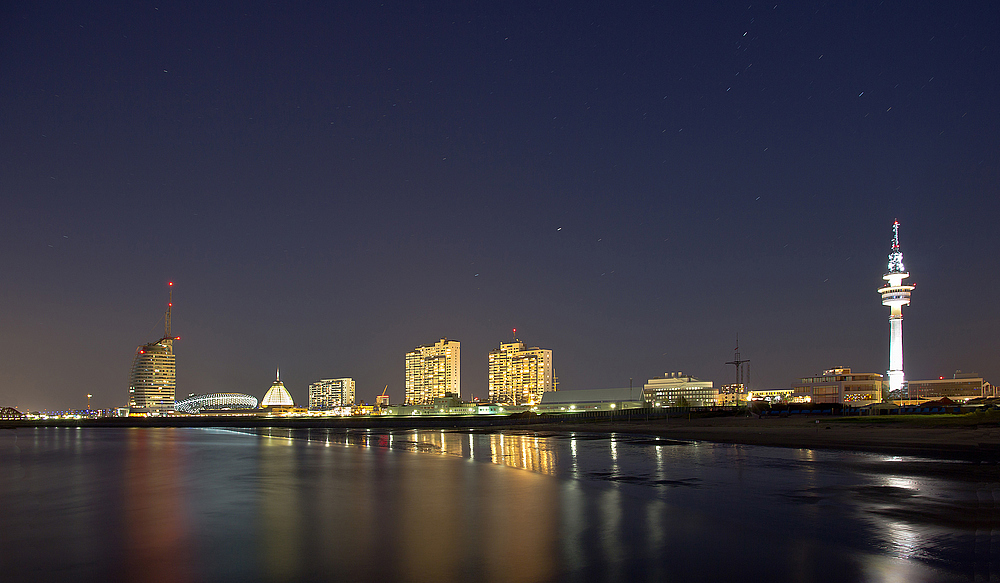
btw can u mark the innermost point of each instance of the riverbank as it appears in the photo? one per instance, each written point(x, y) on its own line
point(938, 436)
point(971, 437)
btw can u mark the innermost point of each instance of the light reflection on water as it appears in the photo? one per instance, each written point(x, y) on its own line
point(303, 505)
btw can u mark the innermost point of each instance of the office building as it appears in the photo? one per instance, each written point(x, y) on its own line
point(328, 394)
point(676, 389)
point(895, 295)
point(839, 385)
point(519, 375)
point(960, 387)
point(433, 370)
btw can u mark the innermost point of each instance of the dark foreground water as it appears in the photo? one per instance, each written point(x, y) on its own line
point(179, 505)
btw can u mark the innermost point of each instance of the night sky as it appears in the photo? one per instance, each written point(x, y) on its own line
point(331, 184)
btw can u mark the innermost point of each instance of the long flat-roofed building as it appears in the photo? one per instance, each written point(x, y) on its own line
point(328, 394)
point(960, 387)
point(432, 370)
point(676, 389)
point(582, 400)
point(519, 375)
point(840, 385)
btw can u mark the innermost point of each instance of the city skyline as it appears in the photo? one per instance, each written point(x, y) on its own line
point(332, 185)
point(437, 352)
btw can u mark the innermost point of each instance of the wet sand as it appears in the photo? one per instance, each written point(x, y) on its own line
point(979, 442)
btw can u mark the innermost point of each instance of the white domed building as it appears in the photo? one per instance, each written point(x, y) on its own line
point(277, 395)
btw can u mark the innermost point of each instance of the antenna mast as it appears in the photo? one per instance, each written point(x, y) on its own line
point(166, 318)
point(738, 363)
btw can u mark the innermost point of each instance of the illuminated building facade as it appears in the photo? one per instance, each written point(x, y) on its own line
point(153, 380)
point(732, 394)
point(433, 370)
point(960, 387)
point(839, 385)
point(328, 394)
point(519, 375)
point(277, 395)
point(216, 402)
point(895, 295)
point(770, 395)
point(676, 389)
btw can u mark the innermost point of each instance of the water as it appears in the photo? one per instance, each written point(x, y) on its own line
point(194, 505)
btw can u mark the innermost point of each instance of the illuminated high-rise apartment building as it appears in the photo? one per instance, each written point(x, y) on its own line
point(519, 375)
point(895, 295)
point(153, 380)
point(433, 370)
point(327, 394)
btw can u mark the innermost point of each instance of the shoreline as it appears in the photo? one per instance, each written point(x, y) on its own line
point(937, 437)
point(961, 442)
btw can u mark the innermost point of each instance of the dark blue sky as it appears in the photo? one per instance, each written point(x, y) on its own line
point(630, 186)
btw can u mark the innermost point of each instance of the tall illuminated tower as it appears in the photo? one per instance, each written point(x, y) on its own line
point(154, 379)
point(895, 295)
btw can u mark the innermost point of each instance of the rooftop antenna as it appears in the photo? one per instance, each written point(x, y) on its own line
point(170, 305)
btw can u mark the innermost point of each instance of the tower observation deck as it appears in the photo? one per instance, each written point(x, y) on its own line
point(895, 295)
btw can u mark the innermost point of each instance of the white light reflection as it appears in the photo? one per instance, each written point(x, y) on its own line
point(572, 451)
point(904, 540)
point(658, 451)
point(656, 537)
point(573, 512)
point(614, 453)
point(611, 515)
point(472, 448)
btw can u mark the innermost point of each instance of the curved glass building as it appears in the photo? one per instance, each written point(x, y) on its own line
point(216, 402)
point(277, 395)
point(153, 378)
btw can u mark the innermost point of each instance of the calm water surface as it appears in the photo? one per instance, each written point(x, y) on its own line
point(195, 505)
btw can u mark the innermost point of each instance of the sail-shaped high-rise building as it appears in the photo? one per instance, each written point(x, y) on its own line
point(895, 295)
point(153, 381)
